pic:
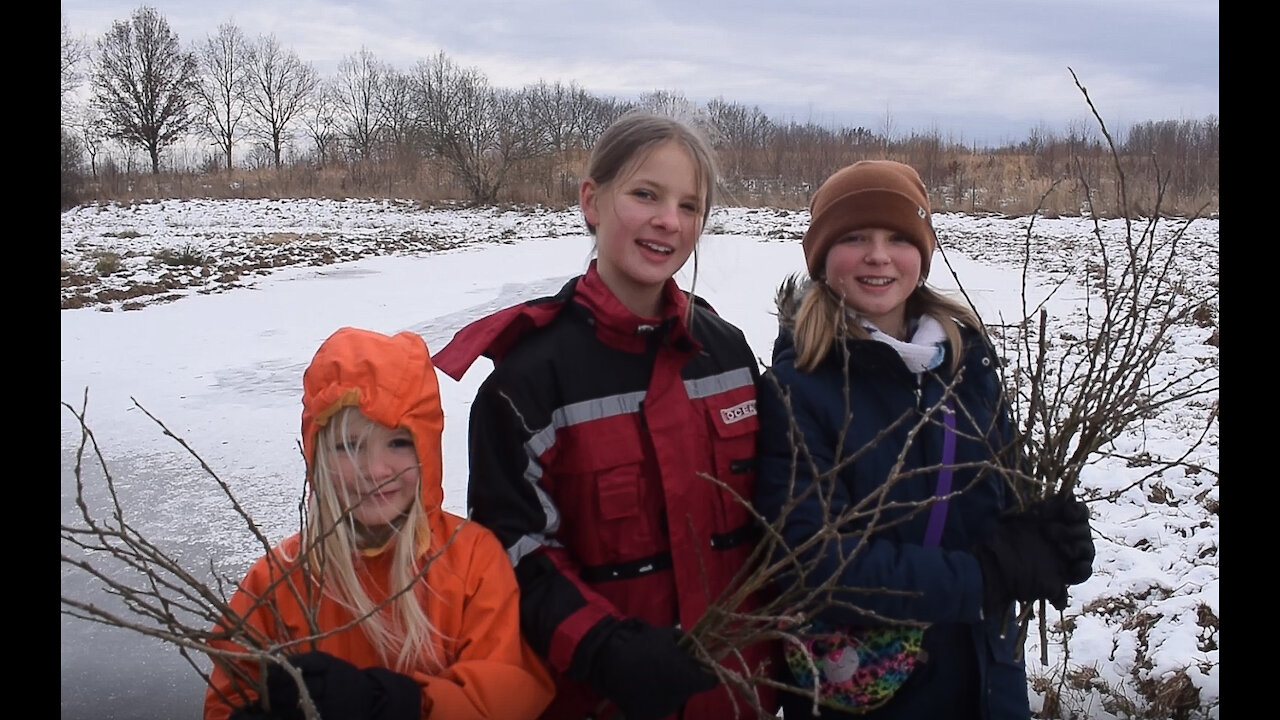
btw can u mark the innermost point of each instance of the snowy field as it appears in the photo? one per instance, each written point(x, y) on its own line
point(216, 351)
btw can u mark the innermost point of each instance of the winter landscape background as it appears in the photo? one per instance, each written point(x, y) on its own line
point(213, 310)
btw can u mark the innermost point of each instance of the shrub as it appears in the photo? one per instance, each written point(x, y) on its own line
point(107, 263)
point(186, 256)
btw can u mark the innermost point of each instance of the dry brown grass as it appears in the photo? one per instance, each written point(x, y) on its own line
point(965, 182)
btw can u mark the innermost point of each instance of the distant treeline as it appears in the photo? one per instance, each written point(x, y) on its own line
point(232, 116)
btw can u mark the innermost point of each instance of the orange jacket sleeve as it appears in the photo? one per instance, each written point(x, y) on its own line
point(496, 675)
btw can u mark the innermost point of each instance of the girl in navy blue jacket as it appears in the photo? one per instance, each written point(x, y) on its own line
point(867, 360)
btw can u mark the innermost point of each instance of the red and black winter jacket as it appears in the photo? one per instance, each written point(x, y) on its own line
point(587, 445)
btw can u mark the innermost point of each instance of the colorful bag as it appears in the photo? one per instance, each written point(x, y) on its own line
point(860, 668)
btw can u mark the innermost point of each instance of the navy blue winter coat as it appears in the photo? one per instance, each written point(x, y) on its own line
point(971, 670)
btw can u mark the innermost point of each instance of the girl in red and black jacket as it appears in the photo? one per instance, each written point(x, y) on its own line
point(590, 439)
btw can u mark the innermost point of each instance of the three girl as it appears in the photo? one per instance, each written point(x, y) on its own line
point(590, 440)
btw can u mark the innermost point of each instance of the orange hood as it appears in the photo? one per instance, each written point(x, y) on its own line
point(392, 381)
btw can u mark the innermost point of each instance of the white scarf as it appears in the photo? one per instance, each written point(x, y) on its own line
point(924, 351)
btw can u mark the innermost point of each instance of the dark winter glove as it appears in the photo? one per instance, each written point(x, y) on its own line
point(1066, 523)
point(1019, 562)
point(643, 671)
point(342, 691)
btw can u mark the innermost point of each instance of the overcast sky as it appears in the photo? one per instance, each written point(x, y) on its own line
point(976, 70)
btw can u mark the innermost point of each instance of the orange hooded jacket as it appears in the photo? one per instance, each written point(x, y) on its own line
point(471, 595)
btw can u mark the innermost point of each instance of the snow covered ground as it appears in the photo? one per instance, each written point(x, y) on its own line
point(215, 350)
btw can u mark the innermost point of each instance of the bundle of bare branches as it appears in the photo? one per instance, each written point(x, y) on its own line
point(789, 585)
point(1075, 390)
point(165, 600)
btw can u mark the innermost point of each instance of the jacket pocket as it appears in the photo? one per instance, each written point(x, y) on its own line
point(733, 439)
point(607, 513)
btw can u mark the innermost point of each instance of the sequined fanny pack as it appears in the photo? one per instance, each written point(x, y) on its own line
point(859, 668)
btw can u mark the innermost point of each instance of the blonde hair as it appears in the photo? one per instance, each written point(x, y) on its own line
point(628, 141)
point(400, 631)
point(821, 320)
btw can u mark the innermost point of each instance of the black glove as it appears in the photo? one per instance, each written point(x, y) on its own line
point(1066, 523)
point(342, 691)
point(643, 671)
point(1019, 562)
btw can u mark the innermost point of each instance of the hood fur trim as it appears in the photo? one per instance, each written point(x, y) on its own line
point(788, 298)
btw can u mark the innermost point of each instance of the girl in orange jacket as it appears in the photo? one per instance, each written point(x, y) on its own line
point(386, 606)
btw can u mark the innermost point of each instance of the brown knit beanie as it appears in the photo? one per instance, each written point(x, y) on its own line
point(869, 194)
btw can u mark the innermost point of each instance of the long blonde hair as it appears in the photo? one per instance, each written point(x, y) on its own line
point(821, 320)
point(400, 631)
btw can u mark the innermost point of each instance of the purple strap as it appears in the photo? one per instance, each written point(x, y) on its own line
point(938, 514)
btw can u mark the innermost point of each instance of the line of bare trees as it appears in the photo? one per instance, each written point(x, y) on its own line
point(444, 127)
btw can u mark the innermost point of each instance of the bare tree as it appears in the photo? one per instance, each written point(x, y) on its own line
point(400, 129)
point(806, 154)
point(672, 103)
point(319, 117)
point(888, 127)
point(599, 115)
point(279, 88)
point(562, 113)
point(220, 92)
point(357, 99)
point(74, 53)
point(91, 130)
point(481, 133)
point(143, 83)
point(70, 177)
point(741, 133)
